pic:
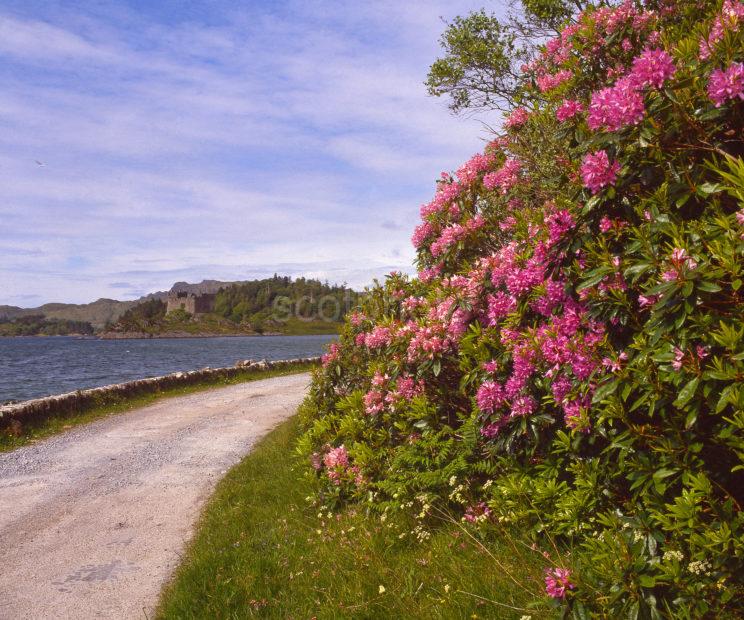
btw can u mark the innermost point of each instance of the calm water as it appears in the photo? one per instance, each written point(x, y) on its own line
point(33, 367)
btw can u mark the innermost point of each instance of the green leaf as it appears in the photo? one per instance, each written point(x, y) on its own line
point(709, 287)
point(687, 392)
point(647, 581)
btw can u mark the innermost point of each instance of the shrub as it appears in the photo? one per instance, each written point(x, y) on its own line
point(570, 358)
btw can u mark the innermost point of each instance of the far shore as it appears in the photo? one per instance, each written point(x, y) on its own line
point(146, 336)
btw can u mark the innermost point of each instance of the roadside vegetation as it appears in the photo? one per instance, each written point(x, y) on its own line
point(262, 550)
point(42, 428)
point(570, 358)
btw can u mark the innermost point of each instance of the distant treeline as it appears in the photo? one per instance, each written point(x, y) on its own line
point(266, 300)
point(38, 325)
point(273, 304)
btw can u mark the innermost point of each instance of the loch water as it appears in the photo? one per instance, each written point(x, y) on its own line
point(31, 367)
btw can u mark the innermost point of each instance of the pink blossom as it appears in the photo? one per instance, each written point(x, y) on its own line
point(679, 355)
point(491, 430)
point(574, 413)
point(522, 406)
point(652, 68)
point(491, 366)
point(499, 305)
point(559, 224)
point(374, 402)
point(422, 232)
point(379, 337)
point(547, 82)
point(505, 177)
point(568, 109)
point(333, 352)
point(616, 107)
point(469, 171)
point(336, 457)
point(728, 84)
point(557, 581)
point(644, 300)
point(517, 118)
point(740, 217)
point(597, 171)
point(490, 396)
point(731, 15)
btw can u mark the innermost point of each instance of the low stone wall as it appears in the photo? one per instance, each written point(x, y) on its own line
point(13, 417)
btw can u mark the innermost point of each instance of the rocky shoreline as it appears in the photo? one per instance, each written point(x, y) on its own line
point(15, 415)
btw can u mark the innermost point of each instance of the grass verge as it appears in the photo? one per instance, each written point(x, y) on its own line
point(261, 551)
point(54, 424)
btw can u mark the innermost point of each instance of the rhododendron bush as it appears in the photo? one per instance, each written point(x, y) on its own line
point(570, 358)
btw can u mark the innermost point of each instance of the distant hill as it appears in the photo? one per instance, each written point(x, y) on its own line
point(97, 313)
point(243, 303)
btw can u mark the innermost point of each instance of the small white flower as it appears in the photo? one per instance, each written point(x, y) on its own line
point(381, 589)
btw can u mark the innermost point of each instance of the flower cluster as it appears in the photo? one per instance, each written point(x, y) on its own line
point(726, 85)
point(597, 171)
point(558, 582)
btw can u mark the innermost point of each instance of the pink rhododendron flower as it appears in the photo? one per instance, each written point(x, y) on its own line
point(647, 300)
point(522, 406)
point(728, 84)
point(597, 171)
point(491, 430)
point(499, 305)
point(546, 82)
point(517, 118)
point(334, 351)
point(616, 107)
point(557, 582)
point(490, 396)
point(469, 171)
point(652, 68)
point(730, 18)
point(422, 232)
point(374, 402)
point(568, 109)
point(505, 177)
point(574, 413)
point(379, 337)
point(679, 355)
point(491, 366)
point(559, 224)
point(336, 457)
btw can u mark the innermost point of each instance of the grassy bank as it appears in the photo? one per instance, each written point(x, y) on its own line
point(51, 425)
point(261, 551)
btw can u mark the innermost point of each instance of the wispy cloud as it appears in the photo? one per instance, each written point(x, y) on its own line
point(227, 141)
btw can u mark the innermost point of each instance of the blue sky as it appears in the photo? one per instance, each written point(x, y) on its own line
point(226, 140)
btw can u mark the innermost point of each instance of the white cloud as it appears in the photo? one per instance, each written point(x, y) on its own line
point(269, 139)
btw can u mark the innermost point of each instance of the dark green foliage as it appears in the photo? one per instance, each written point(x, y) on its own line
point(37, 325)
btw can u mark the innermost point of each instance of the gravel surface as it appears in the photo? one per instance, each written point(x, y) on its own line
point(92, 522)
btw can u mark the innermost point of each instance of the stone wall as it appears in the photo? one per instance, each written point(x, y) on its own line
point(13, 417)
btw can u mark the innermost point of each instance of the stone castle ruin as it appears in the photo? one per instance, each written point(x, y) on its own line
point(193, 303)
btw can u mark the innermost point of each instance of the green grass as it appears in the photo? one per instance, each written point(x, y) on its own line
point(262, 551)
point(59, 423)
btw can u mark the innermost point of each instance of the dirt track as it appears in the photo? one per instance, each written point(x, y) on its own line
point(92, 522)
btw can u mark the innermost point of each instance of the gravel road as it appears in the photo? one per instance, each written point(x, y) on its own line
point(92, 522)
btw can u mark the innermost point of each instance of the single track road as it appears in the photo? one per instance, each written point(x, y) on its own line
point(93, 521)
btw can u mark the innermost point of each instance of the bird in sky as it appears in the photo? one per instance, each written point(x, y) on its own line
point(40, 163)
